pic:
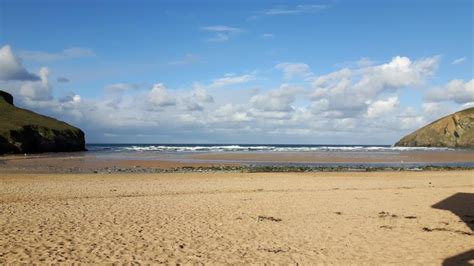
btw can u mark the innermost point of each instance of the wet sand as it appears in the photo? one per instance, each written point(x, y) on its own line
point(337, 218)
point(90, 162)
point(340, 157)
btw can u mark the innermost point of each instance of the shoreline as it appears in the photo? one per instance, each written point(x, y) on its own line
point(96, 162)
point(72, 165)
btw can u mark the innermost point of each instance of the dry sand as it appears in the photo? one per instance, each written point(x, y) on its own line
point(338, 218)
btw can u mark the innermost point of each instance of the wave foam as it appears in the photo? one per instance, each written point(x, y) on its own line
point(263, 148)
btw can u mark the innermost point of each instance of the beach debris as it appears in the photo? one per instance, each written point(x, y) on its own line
point(386, 227)
point(384, 214)
point(268, 218)
point(427, 229)
point(410, 217)
point(338, 213)
point(273, 250)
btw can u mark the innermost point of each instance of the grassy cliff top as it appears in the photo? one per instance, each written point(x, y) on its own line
point(14, 118)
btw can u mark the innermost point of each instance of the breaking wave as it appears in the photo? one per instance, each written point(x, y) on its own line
point(251, 148)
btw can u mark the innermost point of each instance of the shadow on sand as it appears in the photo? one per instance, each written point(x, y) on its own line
point(462, 205)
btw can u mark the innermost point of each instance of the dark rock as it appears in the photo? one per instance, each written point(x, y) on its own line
point(23, 131)
point(7, 97)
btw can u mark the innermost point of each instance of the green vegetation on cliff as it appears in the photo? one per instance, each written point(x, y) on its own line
point(454, 131)
point(23, 131)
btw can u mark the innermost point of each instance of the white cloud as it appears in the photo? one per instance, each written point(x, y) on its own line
point(299, 9)
point(231, 113)
point(350, 91)
point(231, 79)
point(69, 53)
point(398, 73)
point(197, 100)
point(38, 90)
point(365, 62)
point(360, 63)
point(221, 33)
point(11, 67)
point(458, 61)
point(278, 100)
point(188, 59)
point(292, 70)
point(122, 87)
point(381, 107)
point(434, 110)
point(159, 96)
point(456, 90)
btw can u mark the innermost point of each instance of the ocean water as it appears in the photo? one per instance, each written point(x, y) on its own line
point(288, 154)
point(200, 148)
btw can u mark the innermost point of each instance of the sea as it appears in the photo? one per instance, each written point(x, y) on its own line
point(190, 148)
point(290, 154)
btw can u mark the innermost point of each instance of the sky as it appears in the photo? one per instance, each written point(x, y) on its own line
point(263, 72)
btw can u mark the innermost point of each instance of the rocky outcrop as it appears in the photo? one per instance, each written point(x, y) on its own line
point(454, 131)
point(23, 131)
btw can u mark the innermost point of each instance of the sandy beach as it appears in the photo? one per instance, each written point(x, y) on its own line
point(336, 218)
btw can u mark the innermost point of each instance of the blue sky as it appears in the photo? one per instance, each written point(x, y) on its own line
point(259, 62)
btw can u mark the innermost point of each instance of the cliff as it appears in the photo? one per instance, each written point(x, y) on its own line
point(23, 131)
point(454, 131)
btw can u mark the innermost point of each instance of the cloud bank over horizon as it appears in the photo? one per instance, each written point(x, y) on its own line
point(360, 103)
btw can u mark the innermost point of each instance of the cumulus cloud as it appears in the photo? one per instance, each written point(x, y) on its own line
point(278, 100)
point(383, 106)
point(231, 79)
point(11, 67)
point(159, 96)
point(349, 91)
point(69, 53)
point(38, 90)
point(292, 70)
point(197, 100)
point(71, 97)
point(231, 113)
point(457, 90)
point(221, 33)
point(459, 60)
point(398, 73)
